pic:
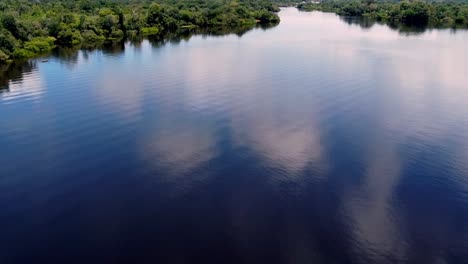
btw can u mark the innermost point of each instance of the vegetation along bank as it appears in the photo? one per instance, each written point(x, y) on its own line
point(32, 27)
point(440, 14)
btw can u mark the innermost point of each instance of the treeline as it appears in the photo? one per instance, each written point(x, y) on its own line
point(445, 14)
point(32, 27)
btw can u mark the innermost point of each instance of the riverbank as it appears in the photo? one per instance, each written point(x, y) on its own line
point(29, 29)
point(422, 13)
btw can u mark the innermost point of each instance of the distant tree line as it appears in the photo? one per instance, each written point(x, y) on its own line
point(416, 12)
point(32, 27)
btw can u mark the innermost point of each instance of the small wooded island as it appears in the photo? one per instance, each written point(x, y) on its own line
point(29, 28)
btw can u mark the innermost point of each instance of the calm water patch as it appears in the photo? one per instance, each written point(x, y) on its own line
point(317, 141)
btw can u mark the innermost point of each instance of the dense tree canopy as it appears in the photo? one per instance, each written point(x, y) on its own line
point(31, 27)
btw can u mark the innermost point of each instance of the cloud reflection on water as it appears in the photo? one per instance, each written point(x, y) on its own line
point(180, 149)
point(363, 126)
point(292, 139)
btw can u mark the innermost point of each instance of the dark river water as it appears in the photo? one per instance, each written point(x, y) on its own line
point(320, 140)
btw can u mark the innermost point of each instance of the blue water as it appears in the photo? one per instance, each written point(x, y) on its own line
point(316, 141)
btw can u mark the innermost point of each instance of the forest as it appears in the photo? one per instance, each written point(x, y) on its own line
point(440, 14)
point(29, 28)
point(32, 27)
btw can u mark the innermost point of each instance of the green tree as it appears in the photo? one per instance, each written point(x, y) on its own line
point(8, 42)
point(67, 36)
point(155, 14)
point(10, 23)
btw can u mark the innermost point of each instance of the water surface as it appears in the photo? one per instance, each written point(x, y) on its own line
point(316, 141)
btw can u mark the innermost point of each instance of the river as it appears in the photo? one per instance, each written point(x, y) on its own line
point(320, 140)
